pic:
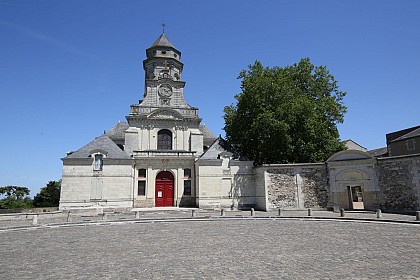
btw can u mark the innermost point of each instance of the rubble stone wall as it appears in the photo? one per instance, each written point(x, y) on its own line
point(399, 183)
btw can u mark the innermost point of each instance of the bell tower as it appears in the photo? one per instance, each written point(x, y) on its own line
point(163, 110)
point(163, 86)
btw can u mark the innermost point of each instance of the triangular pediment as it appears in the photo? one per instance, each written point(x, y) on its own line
point(165, 114)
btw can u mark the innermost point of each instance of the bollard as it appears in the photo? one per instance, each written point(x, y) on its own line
point(193, 213)
point(69, 218)
point(252, 212)
point(378, 214)
point(342, 212)
point(35, 220)
point(137, 214)
point(417, 215)
point(104, 216)
point(309, 212)
point(279, 212)
point(222, 212)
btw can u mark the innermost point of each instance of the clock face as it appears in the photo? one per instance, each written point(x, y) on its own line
point(165, 90)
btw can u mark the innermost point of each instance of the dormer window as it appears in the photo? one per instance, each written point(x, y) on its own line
point(163, 52)
point(98, 161)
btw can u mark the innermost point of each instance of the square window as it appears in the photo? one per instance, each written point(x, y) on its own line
point(187, 187)
point(187, 173)
point(411, 144)
point(142, 173)
point(141, 190)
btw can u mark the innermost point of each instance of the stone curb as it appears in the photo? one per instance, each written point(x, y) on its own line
point(206, 218)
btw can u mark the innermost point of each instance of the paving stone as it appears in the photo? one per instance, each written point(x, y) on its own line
point(217, 249)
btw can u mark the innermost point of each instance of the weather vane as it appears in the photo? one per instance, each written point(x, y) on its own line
point(163, 27)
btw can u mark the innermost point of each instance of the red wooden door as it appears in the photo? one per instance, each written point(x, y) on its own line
point(164, 189)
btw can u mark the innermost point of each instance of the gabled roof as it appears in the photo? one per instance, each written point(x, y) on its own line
point(208, 136)
point(411, 134)
point(380, 152)
point(219, 146)
point(397, 134)
point(118, 132)
point(350, 144)
point(102, 144)
point(162, 41)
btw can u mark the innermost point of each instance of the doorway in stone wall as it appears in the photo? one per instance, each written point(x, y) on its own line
point(164, 189)
point(355, 197)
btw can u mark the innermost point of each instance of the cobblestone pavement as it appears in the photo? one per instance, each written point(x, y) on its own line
point(214, 249)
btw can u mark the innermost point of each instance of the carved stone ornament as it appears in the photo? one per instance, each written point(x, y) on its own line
point(148, 127)
point(181, 127)
point(165, 90)
point(165, 101)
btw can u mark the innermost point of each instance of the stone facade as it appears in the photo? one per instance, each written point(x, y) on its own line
point(399, 182)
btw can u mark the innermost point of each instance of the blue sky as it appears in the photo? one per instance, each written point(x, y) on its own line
point(71, 69)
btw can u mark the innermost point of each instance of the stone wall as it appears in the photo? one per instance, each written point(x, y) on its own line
point(225, 183)
point(399, 183)
point(314, 187)
point(83, 187)
point(296, 186)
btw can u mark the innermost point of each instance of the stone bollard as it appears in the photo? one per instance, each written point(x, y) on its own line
point(35, 220)
point(137, 214)
point(69, 217)
point(342, 212)
point(222, 212)
point(279, 212)
point(104, 216)
point(252, 212)
point(309, 212)
point(193, 213)
point(417, 215)
point(378, 214)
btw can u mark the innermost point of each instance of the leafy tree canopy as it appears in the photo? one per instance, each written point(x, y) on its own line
point(15, 197)
point(49, 196)
point(286, 115)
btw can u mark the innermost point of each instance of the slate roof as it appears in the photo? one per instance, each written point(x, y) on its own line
point(380, 152)
point(390, 137)
point(118, 131)
point(162, 41)
point(208, 136)
point(411, 134)
point(218, 146)
point(102, 143)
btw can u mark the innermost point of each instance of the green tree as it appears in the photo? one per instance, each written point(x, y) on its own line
point(15, 197)
point(286, 115)
point(49, 196)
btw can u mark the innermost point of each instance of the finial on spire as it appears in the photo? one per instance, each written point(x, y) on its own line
point(163, 27)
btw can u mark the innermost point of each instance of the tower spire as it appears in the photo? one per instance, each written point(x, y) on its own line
point(163, 27)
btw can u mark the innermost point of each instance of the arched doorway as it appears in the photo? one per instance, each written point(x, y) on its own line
point(164, 193)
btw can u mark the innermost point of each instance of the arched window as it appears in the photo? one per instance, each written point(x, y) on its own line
point(164, 140)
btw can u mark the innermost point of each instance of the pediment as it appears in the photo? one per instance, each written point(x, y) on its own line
point(165, 114)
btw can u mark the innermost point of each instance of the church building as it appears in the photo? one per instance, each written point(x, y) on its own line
point(164, 157)
point(154, 158)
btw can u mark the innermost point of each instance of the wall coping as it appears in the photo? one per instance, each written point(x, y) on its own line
point(292, 165)
point(398, 157)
